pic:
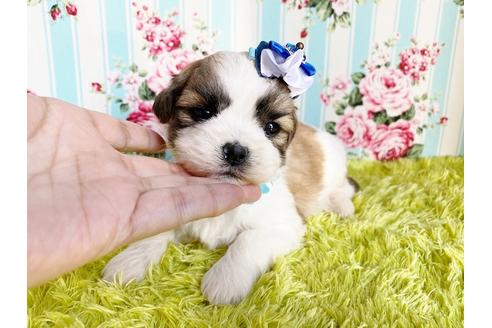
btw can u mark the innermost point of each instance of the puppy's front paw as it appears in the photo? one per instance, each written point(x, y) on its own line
point(345, 208)
point(341, 205)
point(224, 284)
point(130, 267)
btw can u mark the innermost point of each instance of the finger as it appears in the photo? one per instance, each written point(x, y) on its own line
point(127, 136)
point(172, 180)
point(145, 166)
point(164, 209)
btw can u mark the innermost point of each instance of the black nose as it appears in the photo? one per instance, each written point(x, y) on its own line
point(234, 153)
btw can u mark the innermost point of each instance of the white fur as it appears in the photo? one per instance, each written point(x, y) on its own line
point(255, 233)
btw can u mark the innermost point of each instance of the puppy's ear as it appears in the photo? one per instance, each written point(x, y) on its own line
point(165, 102)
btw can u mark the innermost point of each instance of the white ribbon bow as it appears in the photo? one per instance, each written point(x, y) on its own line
point(272, 64)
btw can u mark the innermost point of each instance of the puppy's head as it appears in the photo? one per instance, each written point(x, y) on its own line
point(227, 122)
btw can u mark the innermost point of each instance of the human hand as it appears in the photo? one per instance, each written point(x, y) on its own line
point(85, 198)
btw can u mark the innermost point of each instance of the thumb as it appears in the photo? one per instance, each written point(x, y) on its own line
point(164, 209)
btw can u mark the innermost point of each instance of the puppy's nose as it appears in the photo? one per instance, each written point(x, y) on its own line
point(234, 153)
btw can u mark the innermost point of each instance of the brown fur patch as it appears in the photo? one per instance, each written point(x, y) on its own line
point(197, 86)
point(304, 169)
point(277, 106)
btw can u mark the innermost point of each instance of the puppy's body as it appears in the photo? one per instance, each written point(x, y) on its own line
point(309, 167)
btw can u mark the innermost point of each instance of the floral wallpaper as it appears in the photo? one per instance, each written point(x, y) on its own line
point(380, 109)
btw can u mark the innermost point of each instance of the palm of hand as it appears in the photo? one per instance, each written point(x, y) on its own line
point(85, 197)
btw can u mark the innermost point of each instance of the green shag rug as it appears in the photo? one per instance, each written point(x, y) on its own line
point(397, 263)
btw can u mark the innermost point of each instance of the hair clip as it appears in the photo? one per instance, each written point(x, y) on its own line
point(272, 60)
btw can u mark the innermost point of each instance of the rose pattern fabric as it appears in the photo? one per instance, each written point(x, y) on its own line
point(167, 55)
point(341, 6)
point(386, 88)
point(380, 113)
point(391, 141)
point(354, 128)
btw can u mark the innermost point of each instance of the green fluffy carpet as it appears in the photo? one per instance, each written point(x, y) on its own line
point(398, 263)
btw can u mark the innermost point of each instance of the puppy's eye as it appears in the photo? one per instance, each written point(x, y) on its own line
point(271, 129)
point(201, 114)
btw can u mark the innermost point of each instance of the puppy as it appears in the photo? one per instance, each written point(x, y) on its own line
point(227, 122)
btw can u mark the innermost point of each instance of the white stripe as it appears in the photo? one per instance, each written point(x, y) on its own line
point(189, 8)
point(232, 26)
point(338, 60)
point(282, 24)
point(76, 61)
point(353, 17)
point(49, 47)
point(181, 13)
point(295, 23)
point(450, 135)
point(128, 14)
point(91, 55)
point(246, 22)
point(328, 43)
point(417, 17)
point(209, 21)
point(136, 38)
point(373, 24)
point(427, 31)
point(396, 24)
point(102, 13)
point(39, 58)
point(429, 20)
point(384, 27)
point(259, 21)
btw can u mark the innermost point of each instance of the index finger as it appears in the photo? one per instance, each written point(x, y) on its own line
point(127, 136)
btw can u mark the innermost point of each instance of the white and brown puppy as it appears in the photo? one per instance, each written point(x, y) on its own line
point(227, 122)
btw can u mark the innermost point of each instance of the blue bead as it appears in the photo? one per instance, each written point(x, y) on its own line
point(252, 53)
point(264, 188)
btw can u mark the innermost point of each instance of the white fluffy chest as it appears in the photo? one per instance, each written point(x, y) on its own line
point(276, 208)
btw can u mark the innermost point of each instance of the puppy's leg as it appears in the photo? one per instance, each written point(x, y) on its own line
point(340, 200)
point(133, 262)
point(251, 254)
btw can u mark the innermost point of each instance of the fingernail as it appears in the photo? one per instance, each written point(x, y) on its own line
point(254, 194)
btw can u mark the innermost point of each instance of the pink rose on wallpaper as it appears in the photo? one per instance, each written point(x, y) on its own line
point(354, 128)
point(386, 88)
point(147, 119)
point(341, 6)
point(392, 141)
point(145, 106)
point(340, 85)
point(157, 83)
point(325, 99)
point(131, 82)
point(114, 77)
point(176, 60)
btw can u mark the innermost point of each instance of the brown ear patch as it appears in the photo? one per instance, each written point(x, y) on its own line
point(196, 87)
point(165, 101)
point(304, 169)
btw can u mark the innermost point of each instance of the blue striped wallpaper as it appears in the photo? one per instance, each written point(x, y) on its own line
point(62, 50)
point(406, 25)
point(62, 42)
point(317, 56)
point(118, 48)
point(221, 21)
point(440, 83)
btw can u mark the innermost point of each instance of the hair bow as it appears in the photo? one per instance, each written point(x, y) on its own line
point(273, 60)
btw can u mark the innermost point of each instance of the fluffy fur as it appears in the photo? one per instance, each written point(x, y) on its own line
point(398, 263)
point(240, 105)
